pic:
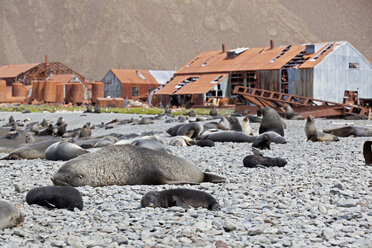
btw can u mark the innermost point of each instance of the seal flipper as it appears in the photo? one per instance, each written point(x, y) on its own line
point(212, 178)
point(159, 176)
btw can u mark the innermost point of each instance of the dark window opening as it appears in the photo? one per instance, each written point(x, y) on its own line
point(135, 91)
point(353, 65)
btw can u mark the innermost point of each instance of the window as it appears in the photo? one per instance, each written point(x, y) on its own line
point(134, 91)
point(353, 65)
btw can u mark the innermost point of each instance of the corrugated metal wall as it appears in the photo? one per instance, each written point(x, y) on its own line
point(333, 76)
point(112, 86)
point(300, 82)
point(268, 80)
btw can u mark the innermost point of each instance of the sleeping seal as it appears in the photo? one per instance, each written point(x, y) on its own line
point(191, 130)
point(30, 151)
point(66, 197)
point(271, 121)
point(228, 136)
point(9, 215)
point(180, 197)
point(291, 115)
point(347, 131)
point(312, 133)
point(129, 165)
point(254, 160)
point(63, 151)
point(367, 153)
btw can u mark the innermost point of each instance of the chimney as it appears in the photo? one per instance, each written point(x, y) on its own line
point(271, 44)
point(223, 48)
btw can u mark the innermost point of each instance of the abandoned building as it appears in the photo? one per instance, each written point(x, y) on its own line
point(133, 84)
point(322, 70)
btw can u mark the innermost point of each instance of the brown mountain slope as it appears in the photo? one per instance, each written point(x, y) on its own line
point(92, 36)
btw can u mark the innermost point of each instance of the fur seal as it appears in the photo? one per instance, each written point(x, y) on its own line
point(181, 141)
point(291, 115)
point(246, 127)
point(262, 142)
point(152, 144)
point(184, 198)
point(63, 151)
point(367, 153)
point(66, 197)
point(47, 131)
point(30, 151)
point(274, 137)
point(129, 165)
point(312, 133)
point(191, 130)
point(347, 131)
point(228, 136)
point(203, 143)
point(271, 121)
point(256, 159)
point(85, 131)
point(9, 215)
point(234, 123)
point(172, 131)
point(213, 111)
point(214, 125)
point(106, 141)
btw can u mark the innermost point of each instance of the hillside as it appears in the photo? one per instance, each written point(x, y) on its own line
point(93, 36)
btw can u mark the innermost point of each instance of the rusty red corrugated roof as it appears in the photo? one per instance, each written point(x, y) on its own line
point(128, 76)
point(196, 84)
point(252, 59)
point(12, 71)
point(61, 78)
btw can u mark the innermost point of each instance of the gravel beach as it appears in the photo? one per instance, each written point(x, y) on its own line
point(321, 198)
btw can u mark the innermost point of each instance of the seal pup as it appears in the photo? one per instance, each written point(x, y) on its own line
point(85, 131)
point(271, 121)
point(347, 131)
point(257, 159)
point(290, 114)
point(234, 124)
point(47, 131)
point(65, 197)
point(312, 133)
point(227, 136)
point(367, 153)
point(181, 141)
point(10, 215)
point(184, 198)
point(274, 137)
point(262, 142)
point(30, 151)
point(63, 151)
point(191, 130)
point(60, 121)
point(130, 165)
point(246, 127)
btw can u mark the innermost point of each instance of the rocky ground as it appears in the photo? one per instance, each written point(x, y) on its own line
point(321, 198)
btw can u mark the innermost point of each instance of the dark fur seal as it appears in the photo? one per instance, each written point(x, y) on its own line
point(172, 131)
point(47, 131)
point(9, 215)
point(180, 197)
point(191, 130)
point(347, 131)
point(85, 131)
point(312, 133)
point(213, 111)
point(63, 151)
point(234, 123)
point(252, 161)
point(262, 142)
point(66, 197)
point(228, 136)
point(30, 151)
point(367, 153)
point(203, 143)
point(129, 165)
point(214, 125)
point(274, 137)
point(271, 121)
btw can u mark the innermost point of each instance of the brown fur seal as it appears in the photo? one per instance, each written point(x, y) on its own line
point(30, 151)
point(9, 215)
point(255, 160)
point(271, 121)
point(129, 165)
point(367, 153)
point(347, 131)
point(312, 133)
point(85, 131)
point(47, 131)
point(262, 142)
point(180, 197)
point(234, 123)
point(63, 151)
point(66, 197)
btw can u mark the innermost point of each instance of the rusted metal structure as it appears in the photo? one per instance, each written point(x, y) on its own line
point(3, 97)
point(116, 102)
point(321, 70)
point(97, 91)
point(304, 106)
